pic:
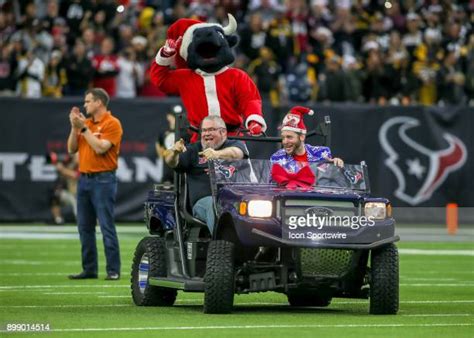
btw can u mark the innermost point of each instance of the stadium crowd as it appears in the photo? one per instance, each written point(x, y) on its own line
point(377, 51)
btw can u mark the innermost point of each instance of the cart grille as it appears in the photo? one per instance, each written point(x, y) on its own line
point(325, 262)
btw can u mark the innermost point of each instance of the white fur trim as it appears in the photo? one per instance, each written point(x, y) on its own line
point(203, 73)
point(210, 90)
point(188, 37)
point(164, 61)
point(256, 118)
point(296, 130)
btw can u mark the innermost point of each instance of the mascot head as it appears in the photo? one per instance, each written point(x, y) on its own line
point(205, 46)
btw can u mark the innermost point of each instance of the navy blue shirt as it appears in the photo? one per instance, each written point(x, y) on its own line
point(196, 166)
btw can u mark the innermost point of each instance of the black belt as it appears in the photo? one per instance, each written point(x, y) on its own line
point(90, 175)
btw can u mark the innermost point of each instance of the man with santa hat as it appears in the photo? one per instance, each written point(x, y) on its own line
point(295, 154)
point(201, 54)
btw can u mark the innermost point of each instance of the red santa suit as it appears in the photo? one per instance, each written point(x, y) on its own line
point(229, 93)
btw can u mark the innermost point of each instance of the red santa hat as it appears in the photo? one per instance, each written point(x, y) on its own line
point(293, 121)
point(177, 30)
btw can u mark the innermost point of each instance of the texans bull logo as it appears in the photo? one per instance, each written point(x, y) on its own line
point(419, 170)
point(226, 171)
point(353, 176)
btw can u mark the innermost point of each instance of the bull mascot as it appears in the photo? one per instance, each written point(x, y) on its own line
point(194, 64)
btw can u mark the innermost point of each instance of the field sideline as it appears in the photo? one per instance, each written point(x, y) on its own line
point(436, 295)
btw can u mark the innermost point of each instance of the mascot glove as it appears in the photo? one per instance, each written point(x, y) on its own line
point(255, 128)
point(170, 47)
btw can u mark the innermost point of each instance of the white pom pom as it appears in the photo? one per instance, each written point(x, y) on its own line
point(311, 112)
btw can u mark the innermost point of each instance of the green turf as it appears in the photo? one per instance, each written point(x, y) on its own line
point(436, 293)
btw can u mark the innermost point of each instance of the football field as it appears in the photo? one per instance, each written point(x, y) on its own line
point(436, 295)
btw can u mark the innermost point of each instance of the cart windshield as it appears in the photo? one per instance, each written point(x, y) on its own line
point(259, 172)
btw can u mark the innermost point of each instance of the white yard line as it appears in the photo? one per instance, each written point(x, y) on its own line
point(436, 301)
point(9, 287)
point(246, 327)
point(63, 306)
point(21, 274)
point(427, 252)
point(30, 262)
point(428, 279)
point(438, 315)
point(74, 293)
point(437, 284)
point(20, 235)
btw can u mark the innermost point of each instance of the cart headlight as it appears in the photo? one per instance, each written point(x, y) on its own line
point(258, 208)
point(376, 210)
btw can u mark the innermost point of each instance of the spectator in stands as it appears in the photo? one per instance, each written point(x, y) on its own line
point(125, 36)
point(413, 37)
point(296, 31)
point(33, 36)
point(342, 27)
point(375, 80)
point(297, 14)
point(131, 74)
point(59, 35)
point(404, 84)
point(148, 89)
point(395, 15)
point(106, 67)
point(30, 75)
point(322, 46)
point(139, 44)
point(52, 13)
point(268, 9)
point(427, 56)
point(7, 26)
point(451, 80)
point(8, 65)
point(280, 39)
point(266, 73)
point(470, 69)
point(353, 72)
point(75, 11)
point(79, 71)
point(54, 76)
point(88, 37)
point(333, 83)
point(252, 37)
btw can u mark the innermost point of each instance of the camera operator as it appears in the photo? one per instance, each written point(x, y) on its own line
point(64, 192)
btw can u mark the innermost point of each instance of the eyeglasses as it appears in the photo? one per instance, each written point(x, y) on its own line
point(210, 130)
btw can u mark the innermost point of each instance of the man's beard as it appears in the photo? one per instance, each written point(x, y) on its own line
point(296, 146)
point(206, 145)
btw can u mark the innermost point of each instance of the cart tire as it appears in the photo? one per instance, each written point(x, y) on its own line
point(219, 278)
point(150, 260)
point(384, 280)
